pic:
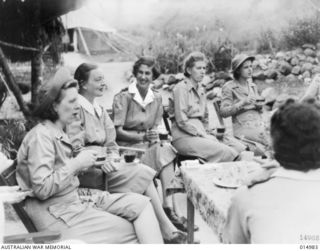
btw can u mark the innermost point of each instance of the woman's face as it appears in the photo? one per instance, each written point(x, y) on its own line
point(95, 85)
point(246, 70)
point(68, 106)
point(144, 76)
point(198, 71)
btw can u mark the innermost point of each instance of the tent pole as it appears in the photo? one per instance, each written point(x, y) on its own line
point(83, 42)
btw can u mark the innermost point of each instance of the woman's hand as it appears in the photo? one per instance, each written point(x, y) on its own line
point(13, 195)
point(109, 167)
point(152, 135)
point(86, 159)
point(265, 173)
point(248, 101)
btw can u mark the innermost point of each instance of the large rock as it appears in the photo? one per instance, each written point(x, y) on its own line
point(255, 64)
point(296, 70)
point(288, 56)
point(280, 55)
point(310, 53)
point(306, 74)
point(291, 79)
point(306, 67)
point(222, 75)
point(274, 64)
point(271, 74)
point(285, 68)
point(259, 75)
point(270, 81)
point(309, 46)
point(311, 60)
point(316, 69)
point(263, 63)
point(302, 57)
point(294, 61)
point(297, 52)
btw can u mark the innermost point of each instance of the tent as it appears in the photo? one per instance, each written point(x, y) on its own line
point(90, 35)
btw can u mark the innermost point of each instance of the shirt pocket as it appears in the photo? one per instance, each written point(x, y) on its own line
point(68, 213)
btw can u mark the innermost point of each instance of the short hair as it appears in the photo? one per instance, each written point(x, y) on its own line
point(82, 73)
point(148, 61)
point(50, 113)
point(295, 132)
point(191, 59)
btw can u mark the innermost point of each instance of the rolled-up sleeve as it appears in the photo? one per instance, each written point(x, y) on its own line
point(228, 108)
point(110, 143)
point(46, 180)
point(76, 134)
point(120, 109)
point(180, 99)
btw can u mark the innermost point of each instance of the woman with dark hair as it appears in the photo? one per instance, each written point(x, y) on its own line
point(285, 208)
point(240, 100)
point(189, 115)
point(45, 165)
point(137, 113)
point(93, 129)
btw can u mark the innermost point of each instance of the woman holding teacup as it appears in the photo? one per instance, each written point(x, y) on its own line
point(137, 112)
point(93, 129)
point(241, 101)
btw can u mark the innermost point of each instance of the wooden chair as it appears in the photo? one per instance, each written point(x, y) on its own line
point(8, 178)
point(180, 157)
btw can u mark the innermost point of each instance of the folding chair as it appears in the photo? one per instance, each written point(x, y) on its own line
point(8, 178)
point(180, 157)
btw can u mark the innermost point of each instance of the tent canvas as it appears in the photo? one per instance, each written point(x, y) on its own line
point(89, 34)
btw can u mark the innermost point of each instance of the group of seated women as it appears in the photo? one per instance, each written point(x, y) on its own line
point(58, 157)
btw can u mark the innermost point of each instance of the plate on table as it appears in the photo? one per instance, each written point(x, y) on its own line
point(222, 183)
point(231, 175)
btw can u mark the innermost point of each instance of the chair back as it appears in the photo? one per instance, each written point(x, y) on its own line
point(8, 178)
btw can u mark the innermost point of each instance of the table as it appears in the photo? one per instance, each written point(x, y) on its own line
point(212, 202)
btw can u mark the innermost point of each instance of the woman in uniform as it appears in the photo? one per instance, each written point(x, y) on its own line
point(45, 165)
point(189, 114)
point(240, 101)
point(93, 129)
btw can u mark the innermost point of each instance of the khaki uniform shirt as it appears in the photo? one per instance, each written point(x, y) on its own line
point(93, 127)
point(232, 94)
point(132, 115)
point(189, 110)
point(45, 164)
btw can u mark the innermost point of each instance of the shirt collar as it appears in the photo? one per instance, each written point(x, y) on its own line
point(56, 132)
point(137, 97)
point(311, 175)
point(93, 109)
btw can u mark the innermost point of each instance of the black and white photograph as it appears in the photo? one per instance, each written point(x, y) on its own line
point(159, 122)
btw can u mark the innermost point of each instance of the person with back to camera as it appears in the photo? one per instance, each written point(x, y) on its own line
point(283, 208)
